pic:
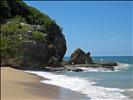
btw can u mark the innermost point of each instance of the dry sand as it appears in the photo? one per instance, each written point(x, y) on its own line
point(19, 85)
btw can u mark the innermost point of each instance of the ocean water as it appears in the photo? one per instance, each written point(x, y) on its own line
point(98, 84)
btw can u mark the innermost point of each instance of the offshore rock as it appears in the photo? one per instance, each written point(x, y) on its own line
point(80, 57)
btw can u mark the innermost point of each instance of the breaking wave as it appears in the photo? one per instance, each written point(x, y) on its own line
point(82, 85)
point(119, 67)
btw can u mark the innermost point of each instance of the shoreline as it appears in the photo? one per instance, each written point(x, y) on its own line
point(82, 85)
point(17, 84)
point(38, 85)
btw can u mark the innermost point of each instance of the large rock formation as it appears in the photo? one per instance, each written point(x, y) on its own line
point(34, 54)
point(43, 53)
point(38, 40)
point(80, 57)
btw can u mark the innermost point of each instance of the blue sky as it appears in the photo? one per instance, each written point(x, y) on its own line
point(103, 28)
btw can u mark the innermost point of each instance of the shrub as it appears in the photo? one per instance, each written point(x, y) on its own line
point(18, 19)
point(38, 36)
point(12, 34)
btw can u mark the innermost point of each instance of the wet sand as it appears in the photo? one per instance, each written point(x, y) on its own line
point(19, 85)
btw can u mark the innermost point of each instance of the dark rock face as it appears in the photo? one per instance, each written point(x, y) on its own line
point(60, 44)
point(41, 54)
point(89, 59)
point(52, 50)
point(34, 54)
point(53, 62)
point(80, 57)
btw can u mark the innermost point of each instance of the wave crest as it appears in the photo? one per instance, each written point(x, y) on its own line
point(119, 67)
point(122, 66)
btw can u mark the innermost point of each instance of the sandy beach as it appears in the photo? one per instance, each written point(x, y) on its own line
point(19, 85)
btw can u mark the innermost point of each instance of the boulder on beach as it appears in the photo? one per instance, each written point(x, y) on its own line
point(80, 57)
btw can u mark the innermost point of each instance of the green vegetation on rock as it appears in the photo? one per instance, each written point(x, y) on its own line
point(38, 36)
point(12, 34)
point(26, 33)
point(11, 8)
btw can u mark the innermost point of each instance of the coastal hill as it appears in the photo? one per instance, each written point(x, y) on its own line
point(29, 37)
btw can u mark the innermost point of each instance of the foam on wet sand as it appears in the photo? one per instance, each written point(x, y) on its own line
point(18, 85)
point(83, 86)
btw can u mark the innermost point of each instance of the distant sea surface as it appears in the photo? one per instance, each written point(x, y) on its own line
point(98, 84)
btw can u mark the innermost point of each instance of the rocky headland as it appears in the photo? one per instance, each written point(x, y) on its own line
point(30, 39)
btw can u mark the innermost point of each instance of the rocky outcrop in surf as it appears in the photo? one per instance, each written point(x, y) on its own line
point(80, 57)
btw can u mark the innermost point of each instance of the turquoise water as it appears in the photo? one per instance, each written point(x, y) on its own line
point(123, 78)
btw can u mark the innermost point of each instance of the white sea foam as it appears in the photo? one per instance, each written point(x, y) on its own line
point(119, 67)
point(100, 69)
point(82, 85)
